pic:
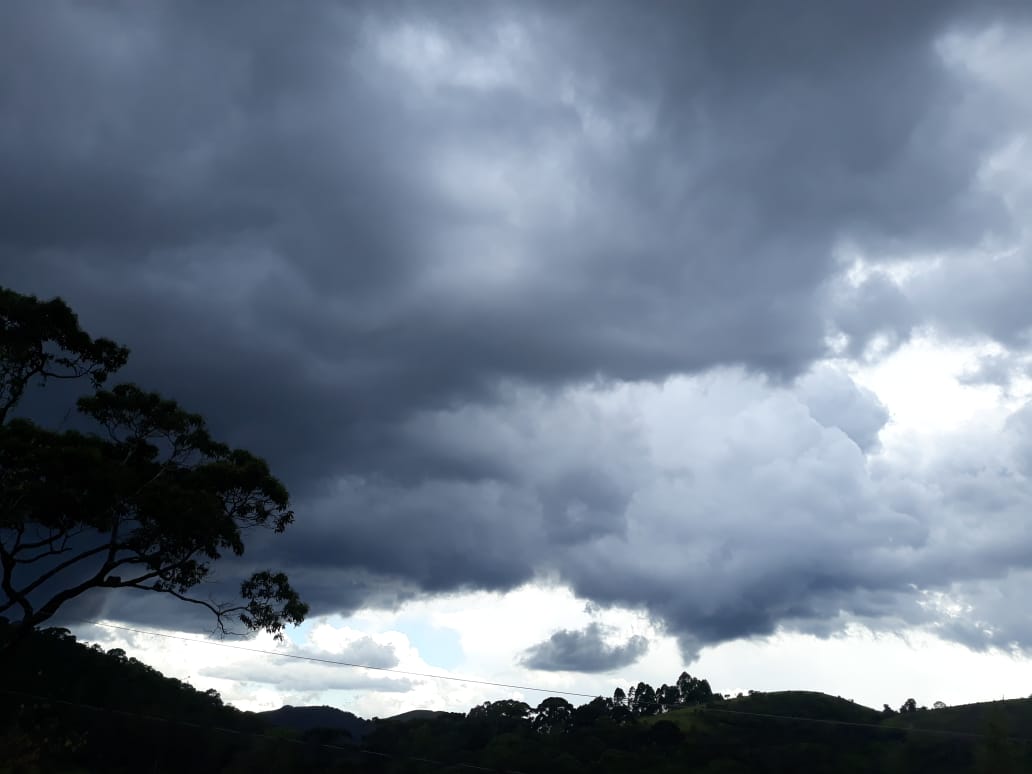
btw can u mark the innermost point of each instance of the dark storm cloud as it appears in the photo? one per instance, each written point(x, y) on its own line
point(874, 308)
point(363, 213)
point(583, 650)
point(379, 243)
point(753, 507)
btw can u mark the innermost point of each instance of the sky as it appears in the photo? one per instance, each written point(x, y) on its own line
point(594, 341)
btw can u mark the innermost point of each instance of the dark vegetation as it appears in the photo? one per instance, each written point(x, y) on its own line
point(69, 708)
point(135, 494)
point(323, 718)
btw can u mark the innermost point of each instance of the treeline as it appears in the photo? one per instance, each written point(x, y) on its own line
point(760, 733)
point(65, 707)
point(70, 709)
point(556, 714)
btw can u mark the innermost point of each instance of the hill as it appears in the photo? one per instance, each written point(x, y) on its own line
point(305, 719)
point(804, 704)
point(1013, 717)
point(63, 703)
point(71, 709)
point(777, 706)
point(411, 715)
point(68, 708)
point(317, 718)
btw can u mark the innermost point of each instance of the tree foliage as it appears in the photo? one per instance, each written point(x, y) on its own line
point(553, 715)
point(142, 498)
point(79, 709)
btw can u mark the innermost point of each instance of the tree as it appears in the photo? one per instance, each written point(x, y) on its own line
point(553, 715)
point(668, 696)
point(693, 690)
point(910, 705)
point(143, 498)
point(498, 717)
point(645, 700)
point(594, 710)
point(620, 711)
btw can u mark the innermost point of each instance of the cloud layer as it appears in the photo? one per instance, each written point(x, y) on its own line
point(571, 293)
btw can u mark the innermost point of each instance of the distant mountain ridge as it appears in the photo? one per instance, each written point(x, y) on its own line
point(330, 718)
point(311, 718)
point(67, 707)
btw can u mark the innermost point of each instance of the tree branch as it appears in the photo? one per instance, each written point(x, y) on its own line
point(63, 536)
point(113, 540)
point(53, 571)
point(49, 541)
point(221, 612)
point(54, 603)
point(13, 597)
point(44, 555)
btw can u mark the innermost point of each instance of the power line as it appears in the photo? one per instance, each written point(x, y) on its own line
point(335, 662)
point(376, 753)
point(790, 718)
point(268, 737)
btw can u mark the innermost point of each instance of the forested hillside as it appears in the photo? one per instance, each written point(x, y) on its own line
point(66, 707)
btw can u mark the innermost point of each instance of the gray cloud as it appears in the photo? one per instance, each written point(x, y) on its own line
point(835, 400)
point(998, 370)
point(747, 513)
point(442, 267)
point(366, 220)
point(874, 312)
point(583, 650)
point(306, 677)
point(368, 652)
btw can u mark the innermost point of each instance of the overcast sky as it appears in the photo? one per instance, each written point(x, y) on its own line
point(594, 340)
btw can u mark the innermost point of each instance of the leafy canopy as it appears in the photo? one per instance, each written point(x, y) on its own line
point(145, 498)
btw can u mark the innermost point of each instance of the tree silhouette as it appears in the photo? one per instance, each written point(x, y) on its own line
point(668, 696)
point(553, 715)
point(692, 690)
point(144, 498)
point(645, 700)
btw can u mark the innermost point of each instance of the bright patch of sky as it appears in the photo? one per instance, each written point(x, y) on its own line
point(482, 635)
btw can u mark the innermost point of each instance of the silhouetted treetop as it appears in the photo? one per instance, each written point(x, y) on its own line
point(144, 498)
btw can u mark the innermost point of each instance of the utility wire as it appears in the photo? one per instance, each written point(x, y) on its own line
point(267, 737)
point(375, 753)
point(335, 662)
point(791, 718)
